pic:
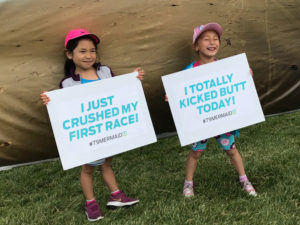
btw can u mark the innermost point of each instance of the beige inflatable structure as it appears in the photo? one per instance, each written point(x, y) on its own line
point(156, 35)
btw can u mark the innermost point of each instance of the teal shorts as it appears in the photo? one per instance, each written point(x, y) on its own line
point(225, 141)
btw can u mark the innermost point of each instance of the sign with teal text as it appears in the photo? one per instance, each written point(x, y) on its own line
point(213, 99)
point(99, 119)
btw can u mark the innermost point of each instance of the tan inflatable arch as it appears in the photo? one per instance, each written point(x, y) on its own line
point(156, 35)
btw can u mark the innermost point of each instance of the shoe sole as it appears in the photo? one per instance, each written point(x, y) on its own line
point(93, 220)
point(121, 204)
point(254, 194)
point(188, 196)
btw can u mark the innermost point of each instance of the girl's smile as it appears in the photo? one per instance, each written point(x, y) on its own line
point(212, 48)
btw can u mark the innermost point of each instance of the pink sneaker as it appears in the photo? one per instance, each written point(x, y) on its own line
point(93, 212)
point(188, 190)
point(247, 186)
point(120, 200)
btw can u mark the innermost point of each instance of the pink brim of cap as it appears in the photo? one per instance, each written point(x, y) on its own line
point(80, 33)
point(202, 28)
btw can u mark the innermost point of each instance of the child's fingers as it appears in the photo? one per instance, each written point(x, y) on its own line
point(141, 74)
point(46, 101)
point(43, 94)
point(251, 71)
point(44, 98)
point(166, 98)
point(140, 71)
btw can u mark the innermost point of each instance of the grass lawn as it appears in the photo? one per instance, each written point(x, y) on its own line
point(45, 194)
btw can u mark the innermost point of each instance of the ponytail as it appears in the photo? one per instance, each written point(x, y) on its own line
point(69, 68)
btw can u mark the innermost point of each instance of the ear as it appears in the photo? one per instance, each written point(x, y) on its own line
point(196, 47)
point(69, 55)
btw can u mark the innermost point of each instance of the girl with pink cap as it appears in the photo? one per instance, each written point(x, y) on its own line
point(81, 67)
point(206, 41)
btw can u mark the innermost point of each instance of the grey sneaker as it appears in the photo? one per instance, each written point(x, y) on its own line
point(93, 212)
point(120, 200)
point(188, 190)
point(247, 186)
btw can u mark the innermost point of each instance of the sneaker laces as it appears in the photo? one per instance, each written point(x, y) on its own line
point(122, 196)
point(248, 186)
point(188, 186)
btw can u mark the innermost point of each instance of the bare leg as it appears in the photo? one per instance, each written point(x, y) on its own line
point(191, 164)
point(86, 181)
point(236, 161)
point(108, 175)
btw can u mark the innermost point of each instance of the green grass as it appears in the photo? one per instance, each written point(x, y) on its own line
point(45, 194)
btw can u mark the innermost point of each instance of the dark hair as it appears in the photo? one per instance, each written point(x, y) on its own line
point(72, 44)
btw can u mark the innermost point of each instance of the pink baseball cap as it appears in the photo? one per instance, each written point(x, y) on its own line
point(79, 33)
point(210, 26)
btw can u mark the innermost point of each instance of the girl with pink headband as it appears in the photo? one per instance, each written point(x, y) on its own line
point(206, 41)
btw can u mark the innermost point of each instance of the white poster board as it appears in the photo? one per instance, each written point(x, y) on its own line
point(99, 119)
point(213, 99)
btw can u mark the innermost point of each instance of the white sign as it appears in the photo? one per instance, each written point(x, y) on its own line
point(99, 119)
point(213, 99)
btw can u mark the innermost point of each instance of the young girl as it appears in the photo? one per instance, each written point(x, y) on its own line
point(206, 41)
point(81, 68)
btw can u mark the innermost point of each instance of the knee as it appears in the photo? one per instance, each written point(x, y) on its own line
point(106, 164)
point(195, 154)
point(232, 152)
point(87, 170)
